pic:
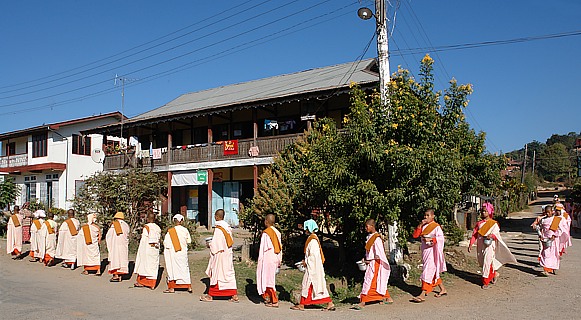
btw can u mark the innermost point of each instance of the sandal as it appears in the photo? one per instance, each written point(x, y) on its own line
point(138, 285)
point(115, 280)
point(206, 298)
point(329, 309)
point(190, 290)
point(417, 300)
point(386, 301)
point(233, 300)
point(356, 307)
point(168, 291)
point(440, 294)
point(85, 273)
point(296, 307)
point(272, 305)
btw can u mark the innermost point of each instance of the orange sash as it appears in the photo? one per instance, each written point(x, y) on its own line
point(229, 240)
point(175, 241)
point(371, 241)
point(429, 228)
point(146, 227)
point(49, 227)
point(37, 224)
point(314, 237)
point(87, 234)
point(555, 223)
point(566, 215)
point(483, 230)
point(274, 238)
point(72, 228)
point(15, 221)
point(117, 226)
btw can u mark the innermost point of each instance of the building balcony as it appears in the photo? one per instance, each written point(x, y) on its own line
point(268, 147)
point(17, 160)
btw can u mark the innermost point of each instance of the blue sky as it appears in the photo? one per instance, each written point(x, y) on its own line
point(58, 59)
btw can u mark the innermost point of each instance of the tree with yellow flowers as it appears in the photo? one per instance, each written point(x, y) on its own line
point(390, 164)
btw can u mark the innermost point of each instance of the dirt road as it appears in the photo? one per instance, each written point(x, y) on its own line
point(29, 291)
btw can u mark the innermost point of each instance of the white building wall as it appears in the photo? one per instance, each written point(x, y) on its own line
point(60, 150)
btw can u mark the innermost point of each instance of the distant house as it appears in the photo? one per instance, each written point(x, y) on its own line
point(50, 162)
point(513, 168)
point(212, 144)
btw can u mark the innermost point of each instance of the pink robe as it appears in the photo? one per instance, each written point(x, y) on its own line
point(550, 255)
point(433, 256)
point(14, 235)
point(221, 267)
point(494, 255)
point(565, 238)
point(377, 252)
point(118, 248)
point(268, 262)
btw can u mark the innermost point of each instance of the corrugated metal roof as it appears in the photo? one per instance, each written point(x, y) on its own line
point(313, 80)
point(57, 125)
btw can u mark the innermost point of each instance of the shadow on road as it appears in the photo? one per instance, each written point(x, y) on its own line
point(528, 263)
point(251, 292)
point(159, 275)
point(466, 276)
point(525, 269)
point(525, 255)
point(409, 288)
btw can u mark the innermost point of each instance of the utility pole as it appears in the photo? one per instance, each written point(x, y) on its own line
point(395, 252)
point(534, 159)
point(524, 164)
point(394, 249)
point(382, 49)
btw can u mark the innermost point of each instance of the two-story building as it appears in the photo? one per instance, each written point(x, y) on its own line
point(213, 144)
point(50, 162)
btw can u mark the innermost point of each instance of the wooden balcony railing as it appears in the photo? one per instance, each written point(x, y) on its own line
point(17, 160)
point(268, 147)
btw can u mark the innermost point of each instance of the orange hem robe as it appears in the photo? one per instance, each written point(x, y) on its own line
point(309, 299)
point(373, 295)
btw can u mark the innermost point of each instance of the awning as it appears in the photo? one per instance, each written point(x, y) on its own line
point(191, 178)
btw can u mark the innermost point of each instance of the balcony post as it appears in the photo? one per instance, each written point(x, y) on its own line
point(210, 177)
point(169, 193)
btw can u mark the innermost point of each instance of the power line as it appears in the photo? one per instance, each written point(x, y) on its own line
point(189, 65)
point(233, 25)
point(170, 59)
point(472, 45)
point(133, 48)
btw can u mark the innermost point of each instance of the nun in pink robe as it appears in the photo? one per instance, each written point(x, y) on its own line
point(550, 257)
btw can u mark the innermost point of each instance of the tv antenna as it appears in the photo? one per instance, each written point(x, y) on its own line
point(121, 80)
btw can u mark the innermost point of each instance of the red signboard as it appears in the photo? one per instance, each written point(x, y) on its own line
point(230, 147)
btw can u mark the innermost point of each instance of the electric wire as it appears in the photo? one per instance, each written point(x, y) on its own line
point(170, 59)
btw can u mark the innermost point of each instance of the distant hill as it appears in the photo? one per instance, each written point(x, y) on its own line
point(568, 140)
point(555, 160)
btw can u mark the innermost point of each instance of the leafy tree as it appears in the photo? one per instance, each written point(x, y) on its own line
point(566, 139)
point(554, 161)
point(390, 163)
point(132, 191)
point(9, 191)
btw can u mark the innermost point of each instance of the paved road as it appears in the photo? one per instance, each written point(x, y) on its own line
point(29, 291)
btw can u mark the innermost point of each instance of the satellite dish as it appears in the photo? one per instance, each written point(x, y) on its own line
point(364, 13)
point(98, 155)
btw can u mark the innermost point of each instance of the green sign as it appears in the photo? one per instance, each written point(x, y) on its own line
point(202, 175)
